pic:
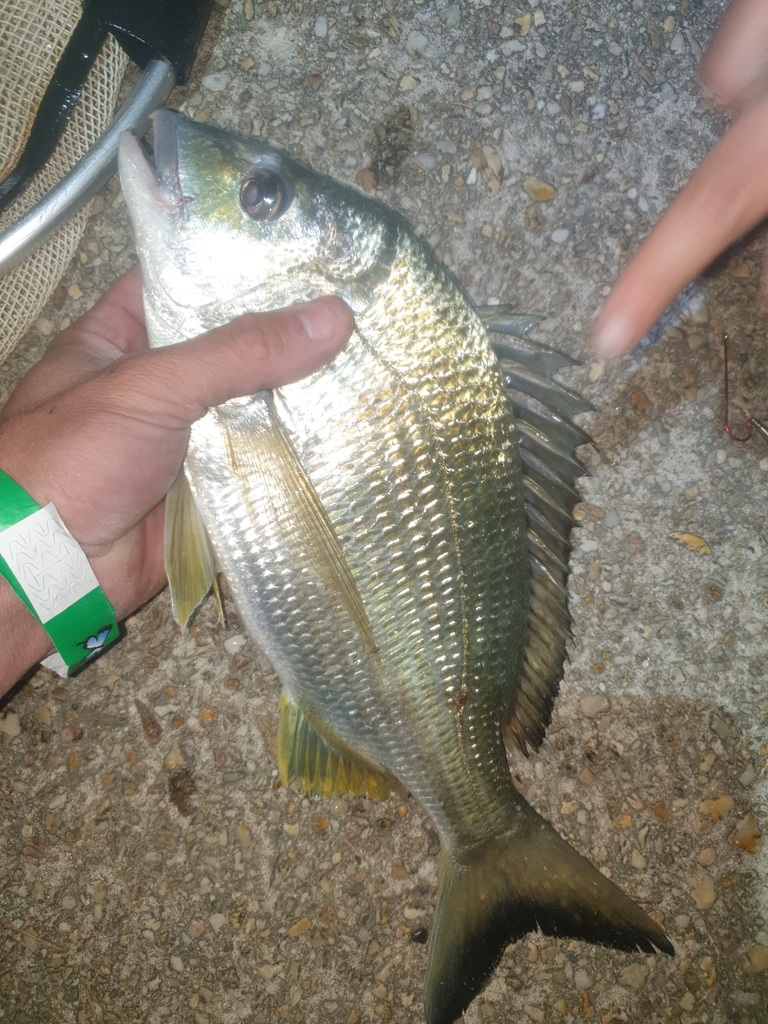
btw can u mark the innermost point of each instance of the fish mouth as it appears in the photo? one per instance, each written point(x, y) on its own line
point(158, 173)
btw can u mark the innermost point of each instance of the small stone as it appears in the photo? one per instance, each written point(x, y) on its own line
point(594, 704)
point(71, 733)
point(10, 725)
point(177, 963)
point(635, 543)
point(707, 857)
point(270, 971)
point(75, 291)
point(534, 1013)
point(638, 860)
point(217, 922)
point(687, 1002)
point(596, 370)
point(407, 82)
point(235, 643)
point(174, 758)
point(582, 980)
point(742, 998)
point(525, 24)
point(661, 811)
point(634, 976)
point(561, 1006)
point(559, 235)
point(300, 927)
point(706, 765)
point(586, 776)
point(321, 26)
point(703, 891)
point(748, 777)
point(399, 871)
point(367, 179)
point(149, 723)
point(216, 82)
point(415, 44)
point(748, 835)
point(426, 161)
point(693, 543)
point(623, 821)
point(758, 959)
point(196, 928)
point(716, 808)
point(248, 11)
point(451, 16)
point(682, 921)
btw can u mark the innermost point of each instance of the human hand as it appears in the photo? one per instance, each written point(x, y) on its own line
point(100, 427)
point(726, 196)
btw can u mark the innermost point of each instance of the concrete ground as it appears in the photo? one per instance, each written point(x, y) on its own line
point(151, 868)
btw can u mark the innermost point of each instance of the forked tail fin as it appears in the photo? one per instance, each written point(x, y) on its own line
point(515, 885)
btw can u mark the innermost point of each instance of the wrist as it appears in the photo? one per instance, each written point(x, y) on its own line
point(23, 641)
point(50, 574)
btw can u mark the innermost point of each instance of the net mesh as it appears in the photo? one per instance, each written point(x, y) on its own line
point(33, 34)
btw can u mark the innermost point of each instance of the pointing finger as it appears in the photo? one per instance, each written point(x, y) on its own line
point(735, 68)
point(726, 197)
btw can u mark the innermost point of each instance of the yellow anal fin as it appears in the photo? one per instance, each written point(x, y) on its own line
point(322, 761)
point(189, 562)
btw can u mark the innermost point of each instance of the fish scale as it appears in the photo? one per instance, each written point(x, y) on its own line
point(390, 539)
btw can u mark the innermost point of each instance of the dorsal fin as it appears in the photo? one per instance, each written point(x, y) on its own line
point(547, 442)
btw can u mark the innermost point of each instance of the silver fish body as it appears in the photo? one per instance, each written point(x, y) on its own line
point(371, 522)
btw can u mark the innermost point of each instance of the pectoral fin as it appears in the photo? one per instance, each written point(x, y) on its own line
point(323, 762)
point(189, 561)
point(262, 456)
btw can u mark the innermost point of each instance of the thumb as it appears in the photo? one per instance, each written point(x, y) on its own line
point(177, 384)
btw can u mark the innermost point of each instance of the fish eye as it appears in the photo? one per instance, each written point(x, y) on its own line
point(263, 195)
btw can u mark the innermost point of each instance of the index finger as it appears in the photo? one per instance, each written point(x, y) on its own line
point(735, 67)
point(726, 197)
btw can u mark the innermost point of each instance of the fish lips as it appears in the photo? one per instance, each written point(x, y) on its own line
point(158, 178)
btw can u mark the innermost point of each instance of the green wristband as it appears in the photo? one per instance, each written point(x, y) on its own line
point(50, 573)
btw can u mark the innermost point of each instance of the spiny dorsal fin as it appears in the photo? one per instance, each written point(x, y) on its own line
point(547, 440)
point(322, 761)
point(189, 561)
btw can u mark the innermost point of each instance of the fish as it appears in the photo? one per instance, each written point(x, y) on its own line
point(394, 529)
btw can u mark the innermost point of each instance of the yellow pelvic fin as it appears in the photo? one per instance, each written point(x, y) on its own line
point(323, 762)
point(189, 562)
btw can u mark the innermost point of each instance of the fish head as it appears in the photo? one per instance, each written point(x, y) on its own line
point(226, 224)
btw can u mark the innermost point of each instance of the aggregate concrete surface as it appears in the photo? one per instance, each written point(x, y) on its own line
point(151, 867)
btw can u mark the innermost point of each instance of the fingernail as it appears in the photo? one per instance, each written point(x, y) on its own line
point(611, 337)
point(325, 319)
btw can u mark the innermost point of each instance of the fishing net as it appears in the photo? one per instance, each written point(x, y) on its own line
point(33, 34)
